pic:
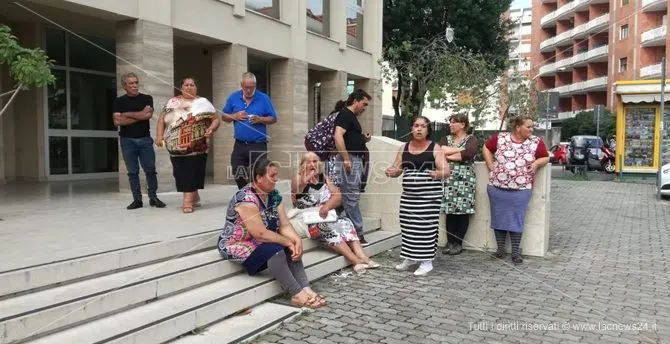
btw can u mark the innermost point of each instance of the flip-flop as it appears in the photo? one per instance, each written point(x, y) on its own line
point(372, 264)
point(187, 210)
point(311, 303)
point(360, 268)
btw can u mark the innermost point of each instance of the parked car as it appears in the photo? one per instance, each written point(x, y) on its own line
point(665, 180)
point(585, 150)
point(559, 153)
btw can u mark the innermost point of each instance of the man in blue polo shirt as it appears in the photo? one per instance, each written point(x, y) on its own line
point(250, 111)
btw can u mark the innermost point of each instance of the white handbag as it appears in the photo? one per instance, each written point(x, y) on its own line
point(297, 223)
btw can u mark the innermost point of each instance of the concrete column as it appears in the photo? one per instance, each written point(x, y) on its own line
point(2, 127)
point(333, 88)
point(338, 22)
point(146, 49)
point(288, 82)
point(7, 132)
point(371, 120)
point(29, 146)
point(294, 12)
point(228, 64)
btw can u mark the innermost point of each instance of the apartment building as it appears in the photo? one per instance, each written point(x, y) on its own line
point(519, 54)
point(520, 39)
point(305, 54)
point(581, 48)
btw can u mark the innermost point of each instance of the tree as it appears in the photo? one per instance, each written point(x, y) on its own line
point(28, 68)
point(584, 124)
point(421, 59)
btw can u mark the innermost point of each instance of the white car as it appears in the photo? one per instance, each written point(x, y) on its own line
point(665, 180)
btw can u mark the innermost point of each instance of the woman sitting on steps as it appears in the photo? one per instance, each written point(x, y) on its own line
point(258, 234)
point(311, 189)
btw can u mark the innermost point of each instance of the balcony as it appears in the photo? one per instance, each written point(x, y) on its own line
point(569, 114)
point(566, 11)
point(579, 31)
point(654, 5)
point(598, 54)
point(654, 37)
point(651, 71)
point(596, 84)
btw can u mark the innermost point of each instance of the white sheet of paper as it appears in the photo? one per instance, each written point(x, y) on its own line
point(312, 216)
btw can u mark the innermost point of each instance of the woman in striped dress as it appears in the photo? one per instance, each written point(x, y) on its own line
point(423, 166)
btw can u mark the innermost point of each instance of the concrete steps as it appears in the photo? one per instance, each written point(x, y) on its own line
point(144, 294)
point(262, 318)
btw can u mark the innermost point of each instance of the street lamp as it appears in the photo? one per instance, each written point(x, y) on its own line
point(449, 33)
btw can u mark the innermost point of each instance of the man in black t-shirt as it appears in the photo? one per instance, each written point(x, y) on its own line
point(348, 169)
point(132, 113)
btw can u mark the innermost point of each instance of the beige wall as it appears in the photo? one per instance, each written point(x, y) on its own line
point(229, 21)
point(382, 198)
point(146, 32)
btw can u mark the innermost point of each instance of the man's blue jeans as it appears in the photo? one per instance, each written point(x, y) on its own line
point(350, 187)
point(138, 151)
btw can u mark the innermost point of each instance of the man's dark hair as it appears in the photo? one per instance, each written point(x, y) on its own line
point(357, 96)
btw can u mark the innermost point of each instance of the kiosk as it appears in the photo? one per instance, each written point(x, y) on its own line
point(639, 128)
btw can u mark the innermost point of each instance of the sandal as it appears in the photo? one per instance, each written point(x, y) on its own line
point(187, 209)
point(360, 268)
point(311, 303)
point(321, 300)
point(372, 264)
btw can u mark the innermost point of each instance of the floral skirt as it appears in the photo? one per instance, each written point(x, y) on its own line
point(333, 233)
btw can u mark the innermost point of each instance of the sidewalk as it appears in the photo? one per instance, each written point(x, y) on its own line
point(42, 223)
point(605, 277)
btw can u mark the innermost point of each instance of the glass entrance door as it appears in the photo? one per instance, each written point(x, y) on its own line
point(82, 140)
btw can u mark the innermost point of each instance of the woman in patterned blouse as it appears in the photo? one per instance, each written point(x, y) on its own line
point(459, 190)
point(512, 158)
point(258, 234)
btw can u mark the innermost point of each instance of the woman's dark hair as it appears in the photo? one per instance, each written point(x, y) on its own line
point(340, 105)
point(357, 96)
point(461, 118)
point(260, 168)
point(517, 121)
point(183, 80)
point(429, 126)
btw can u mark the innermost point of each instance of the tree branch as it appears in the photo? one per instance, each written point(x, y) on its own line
point(16, 91)
point(8, 92)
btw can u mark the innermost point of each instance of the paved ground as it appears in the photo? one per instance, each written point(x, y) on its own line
point(604, 281)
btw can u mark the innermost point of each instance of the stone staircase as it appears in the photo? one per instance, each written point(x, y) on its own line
point(153, 293)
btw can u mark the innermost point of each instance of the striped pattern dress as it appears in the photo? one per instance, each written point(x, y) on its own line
point(419, 205)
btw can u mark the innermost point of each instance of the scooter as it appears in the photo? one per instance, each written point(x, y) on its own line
point(607, 161)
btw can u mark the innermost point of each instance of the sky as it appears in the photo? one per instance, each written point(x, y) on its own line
point(521, 3)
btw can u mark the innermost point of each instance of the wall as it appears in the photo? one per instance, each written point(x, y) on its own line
point(382, 197)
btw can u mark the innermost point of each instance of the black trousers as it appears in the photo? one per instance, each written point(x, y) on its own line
point(457, 226)
point(244, 155)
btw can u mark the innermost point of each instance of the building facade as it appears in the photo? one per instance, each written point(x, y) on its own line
point(520, 39)
point(519, 56)
point(306, 54)
point(581, 48)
